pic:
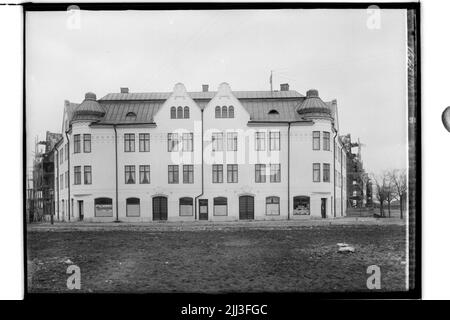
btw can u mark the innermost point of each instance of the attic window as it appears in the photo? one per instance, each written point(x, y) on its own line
point(130, 116)
point(273, 112)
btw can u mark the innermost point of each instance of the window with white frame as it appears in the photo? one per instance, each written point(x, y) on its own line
point(217, 173)
point(232, 141)
point(232, 173)
point(144, 174)
point(260, 141)
point(87, 175)
point(316, 172)
point(272, 206)
point(173, 174)
point(260, 173)
point(220, 206)
point(129, 142)
point(186, 206)
point(187, 142)
point(172, 142)
point(86, 143)
point(326, 172)
point(76, 143)
point(77, 175)
point(275, 172)
point(188, 173)
point(217, 141)
point(316, 140)
point(274, 140)
point(326, 141)
point(130, 174)
point(144, 142)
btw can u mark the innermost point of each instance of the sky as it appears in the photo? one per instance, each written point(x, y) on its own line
point(333, 51)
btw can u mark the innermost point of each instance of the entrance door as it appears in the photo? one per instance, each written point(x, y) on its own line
point(159, 208)
point(203, 207)
point(80, 210)
point(246, 208)
point(323, 207)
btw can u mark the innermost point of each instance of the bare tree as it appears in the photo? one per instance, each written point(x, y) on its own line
point(398, 178)
point(389, 191)
point(381, 188)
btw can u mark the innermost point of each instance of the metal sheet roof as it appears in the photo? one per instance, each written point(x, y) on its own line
point(116, 111)
point(259, 109)
point(202, 95)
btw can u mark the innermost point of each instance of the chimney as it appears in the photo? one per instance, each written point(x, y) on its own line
point(123, 90)
point(205, 87)
point(284, 87)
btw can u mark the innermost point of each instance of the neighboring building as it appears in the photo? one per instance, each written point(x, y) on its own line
point(138, 156)
point(359, 186)
point(40, 192)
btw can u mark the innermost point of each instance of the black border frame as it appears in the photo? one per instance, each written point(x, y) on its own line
point(279, 303)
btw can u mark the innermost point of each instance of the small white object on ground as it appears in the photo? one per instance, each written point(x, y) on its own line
point(68, 261)
point(346, 249)
point(342, 244)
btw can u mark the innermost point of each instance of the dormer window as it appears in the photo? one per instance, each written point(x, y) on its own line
point(179, 113)
point(130, 116)
point(274, 112)
point(231, 112)
point(186, 112)
point(224, 112)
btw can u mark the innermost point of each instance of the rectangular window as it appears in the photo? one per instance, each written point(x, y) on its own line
point(76, 144)
point(129, 142)
point(87, 175)
point(260, 173)
point(188, 173)
point(172, 142)
point(232, 141)
point(86, 143)
point(130, 174)
point(66, 179)
point(316, 140)
point(144, 174)
point(220, 206)
point(66, 147)
point(275, 173)
point(217, 141)
point(173, 173)
point(188, 142)
point(217, 172)
point(61, 156)
point(316, 172)
point(77, 175)
point(274, 140)
point(326, 172)
point(260, 141)
point(61, 181)
point(144, 142)
point(272, 206)
point(186, 206)
point(326, 141)
point(232, 173)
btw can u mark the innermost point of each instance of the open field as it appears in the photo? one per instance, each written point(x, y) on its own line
point(221, 257)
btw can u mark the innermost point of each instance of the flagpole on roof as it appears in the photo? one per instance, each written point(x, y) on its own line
point(271, 86)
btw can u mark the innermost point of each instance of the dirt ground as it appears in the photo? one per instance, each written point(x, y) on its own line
point(211, 258)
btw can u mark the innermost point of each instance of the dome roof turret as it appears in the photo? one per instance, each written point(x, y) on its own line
point(89, 109)
point(313, 106)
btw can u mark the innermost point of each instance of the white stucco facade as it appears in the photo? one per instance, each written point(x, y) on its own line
point(208, 192)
